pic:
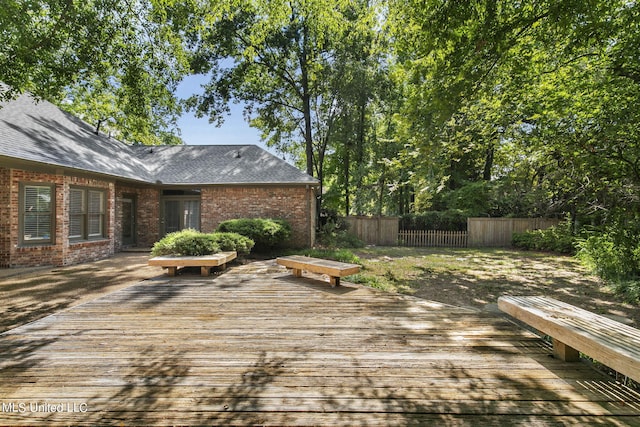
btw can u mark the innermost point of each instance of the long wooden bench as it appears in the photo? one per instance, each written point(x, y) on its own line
point(334, 269)
point(575, 330)
point(205, 262)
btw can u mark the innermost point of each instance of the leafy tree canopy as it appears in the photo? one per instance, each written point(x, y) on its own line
point(106, 59)
point(277, 57)
point(537, 94)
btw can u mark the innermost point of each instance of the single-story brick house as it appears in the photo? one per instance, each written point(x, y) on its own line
point(69, 195)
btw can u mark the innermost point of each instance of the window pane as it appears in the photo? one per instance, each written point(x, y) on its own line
point(37, 226)
point(192, 214)
point(95, 218)
point(76, 214)
point(96, 202)
point(171, 216)
point(95, 225)
point(37, 213)
point(37, 199)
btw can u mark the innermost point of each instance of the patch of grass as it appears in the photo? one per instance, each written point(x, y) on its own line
point(371, 281)
point(628, 289)
point(341, 255)
point(472, 276)
point(475, 277)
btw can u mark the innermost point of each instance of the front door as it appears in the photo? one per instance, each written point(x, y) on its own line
point(128, 220)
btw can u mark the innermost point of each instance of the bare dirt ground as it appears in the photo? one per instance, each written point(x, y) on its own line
point(477, 277)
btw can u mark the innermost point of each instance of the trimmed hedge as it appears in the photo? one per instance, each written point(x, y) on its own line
point(190, 242)
point(266, 233)
point(451, 220)
point(232, 242)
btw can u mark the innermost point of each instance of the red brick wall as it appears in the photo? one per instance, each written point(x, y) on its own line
point(147, 215)
point(75, 252)
point(296, 204)
point(61, 251)
point(5, 218)
point(41, 254)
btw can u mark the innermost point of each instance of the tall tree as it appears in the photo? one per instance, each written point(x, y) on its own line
point(276, 57)
point(129, 51)
point(545, 85)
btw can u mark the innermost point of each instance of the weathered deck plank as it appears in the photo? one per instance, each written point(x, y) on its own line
point(246, 348)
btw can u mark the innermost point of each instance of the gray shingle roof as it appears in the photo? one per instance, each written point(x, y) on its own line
point(41, 132)
point(218, 164)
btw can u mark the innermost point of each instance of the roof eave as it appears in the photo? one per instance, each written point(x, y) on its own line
point(236, 184)
point(21, 163)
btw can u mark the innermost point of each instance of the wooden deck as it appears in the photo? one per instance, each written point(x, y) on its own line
point(258, 346)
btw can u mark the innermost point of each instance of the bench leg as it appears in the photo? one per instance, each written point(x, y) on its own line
point(297, 272)
point(335, 281)
point(205, 271)
point(171, 271)
point(564, 352)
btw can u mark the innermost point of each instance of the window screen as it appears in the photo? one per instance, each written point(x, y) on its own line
point(76, 214)
point(86, 213)
point(37, 213)
point(95, 218)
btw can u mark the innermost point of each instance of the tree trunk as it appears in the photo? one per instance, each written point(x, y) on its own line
point(488, 163)
point(347, 194)
point(306, 103)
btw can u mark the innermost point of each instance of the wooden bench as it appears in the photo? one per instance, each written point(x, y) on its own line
point(575, 330)
point(334, 269)
point(205, 262)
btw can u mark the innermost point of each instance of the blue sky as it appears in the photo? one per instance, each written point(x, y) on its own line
point(195, 131)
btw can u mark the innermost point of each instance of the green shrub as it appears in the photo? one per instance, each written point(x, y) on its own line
point(190, 242)
point(554, 239)
point(266, 233)
point(335, 234)
point(451, 220)
point(629, 290)
point(185, 243)
point(472, 198)
point(609, 257)
point(232, 242)
point(614, 254)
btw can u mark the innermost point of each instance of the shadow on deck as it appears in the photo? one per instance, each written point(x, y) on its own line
point(256, 346)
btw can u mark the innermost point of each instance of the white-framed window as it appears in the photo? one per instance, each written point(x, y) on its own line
point(87, 213)
point(36, 213)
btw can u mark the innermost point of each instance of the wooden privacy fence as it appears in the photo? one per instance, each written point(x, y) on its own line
point(481, 232)
point(433, 238)
point(495, 232)
point(376, 230)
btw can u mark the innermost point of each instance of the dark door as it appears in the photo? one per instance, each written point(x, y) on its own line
point(128, 220)
point(171, 216)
